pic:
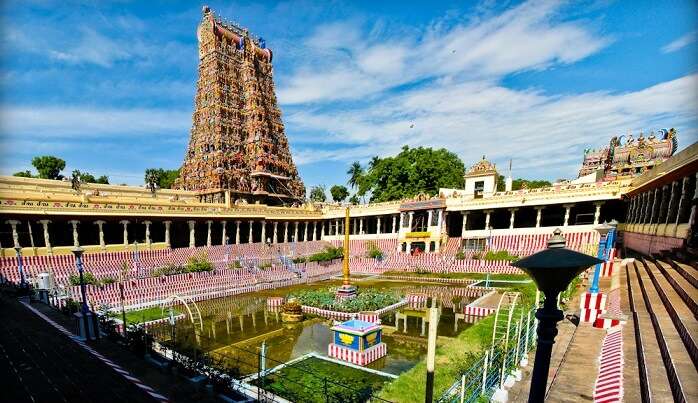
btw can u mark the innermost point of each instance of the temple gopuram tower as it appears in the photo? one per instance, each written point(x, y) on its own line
point(237, 145)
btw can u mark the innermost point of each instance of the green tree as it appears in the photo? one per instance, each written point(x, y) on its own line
point(339, 193)
point(354, 199)
point(104, 180)
point(86, 177)
point(355, 173)
point(164, 178)
point(519, 183)
point(23, 174)
point(412, 171)
point(317, 193)
point(49, 167)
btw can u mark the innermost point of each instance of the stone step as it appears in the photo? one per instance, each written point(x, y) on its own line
point(657, 380)
point(631, 366)
point(687, 292)
point(678, 355)
point(688, 272)
point(678, 304)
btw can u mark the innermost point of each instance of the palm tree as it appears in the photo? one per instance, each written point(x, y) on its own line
point(374, 161)
point(355, 173)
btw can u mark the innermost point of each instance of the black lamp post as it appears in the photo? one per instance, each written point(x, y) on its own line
point(552, 270)
point(78, 251)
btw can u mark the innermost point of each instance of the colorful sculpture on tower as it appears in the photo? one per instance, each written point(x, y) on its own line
point(627, 156)
point(237, 140)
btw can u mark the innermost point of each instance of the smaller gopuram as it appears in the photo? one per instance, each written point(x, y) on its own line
point(627, 156)
point(357, 341)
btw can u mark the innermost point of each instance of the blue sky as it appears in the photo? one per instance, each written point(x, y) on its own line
point(109, 87)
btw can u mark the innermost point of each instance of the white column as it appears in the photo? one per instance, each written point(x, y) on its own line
point(76, 241)
point(167, 233)
point(276, 232)
point(15, 235)
point(47, 240)
point(465, 224)
point(568, 209)
point(539, 216)
point(378, 225)
point(394, 220)
point(305, 231)
point(295, 231)
point(286, 232)
point(314, 231)
point(430, 213)
point(336, 228)
point(264, 231)
point(322, 229)
point(249, 239)
point(192, 233)
point(237, 232)
point(440, 222)
point(208, 232)
point(125, 224)
point(223, 234)
point(487, 218)
point(597, 212)
point(409, 223)
point(361, 226)
point(512, 217)
point(148, 242)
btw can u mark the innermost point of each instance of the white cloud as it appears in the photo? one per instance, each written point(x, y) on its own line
point(680, 42)
point(346, 65)
point(544, 134)
point(46, 122)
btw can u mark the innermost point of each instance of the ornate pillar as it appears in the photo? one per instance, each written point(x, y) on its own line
point(237, 232)
point(361, 226)
point(673, 201)
point(295, 231)
point(539, 216)
point(305, 231)
point(208, 232)
point(663, 205)
point(249, 239)
point(286, 232)
point(631, 210)
point(264, 231)
point(440, 222)
point(148, 242)
point(429, 215)
point(125, 224)
point(336, 228)
point(409, 222)
point(378, 225)
point(394, 220)
point(682, 208)
point(512, 217)
point(692, 217)
point(312, 238)
point(465, 224)
point(167, 233)
point(47, 240)
point(192, 233)
point(487, 218)
point(76, 241)
point(597, 212)
point(223, 233)
point(322, 229)
point(15, 235)
point(568, 210)
point(656, 203)
point(276, 232)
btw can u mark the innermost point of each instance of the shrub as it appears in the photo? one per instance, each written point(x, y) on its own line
point(71, 306)
point(460, 255)
point(108, 280)
point(330, 253)
point(476, 256)
point(88, 277)
point(500, 255)
point(373, 251)
point(235, 265)
point(168, 270)
point(366, 300)
point(199, 263)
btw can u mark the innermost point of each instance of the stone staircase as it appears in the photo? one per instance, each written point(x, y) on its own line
point(661, 298)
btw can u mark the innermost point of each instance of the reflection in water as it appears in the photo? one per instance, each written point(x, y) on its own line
point(236, 326)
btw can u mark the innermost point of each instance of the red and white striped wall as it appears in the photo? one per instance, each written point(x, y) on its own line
point(591, 305)
point(357, 357)
point(478, 311)
point(609, 381)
